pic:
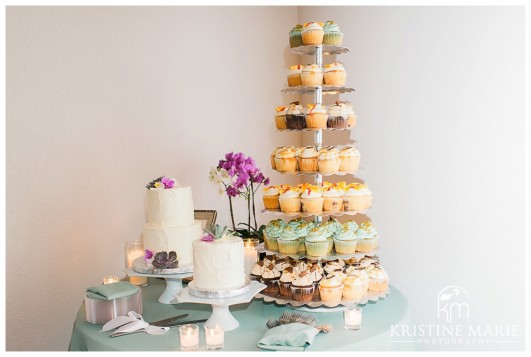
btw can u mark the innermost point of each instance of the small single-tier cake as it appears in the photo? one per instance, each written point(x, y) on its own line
point(218, 261)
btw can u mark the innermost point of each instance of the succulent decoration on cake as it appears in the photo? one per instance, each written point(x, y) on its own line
point(161, 183)
point(214, 232)
point(165, 260)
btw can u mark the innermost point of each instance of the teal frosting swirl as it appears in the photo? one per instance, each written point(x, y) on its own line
point(363, 234)
point(295, 223)
point(353, 226)
point(274, 230)
point(288, 234)
point(317, 234)
point(330, 26)
point(296, 30)
point(345, 234)
point(303, 229)
point(333, 226)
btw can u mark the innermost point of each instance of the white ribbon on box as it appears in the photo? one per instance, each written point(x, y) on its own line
point(131, 323)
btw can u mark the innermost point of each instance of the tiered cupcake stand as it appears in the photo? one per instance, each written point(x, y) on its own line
point(318, 92)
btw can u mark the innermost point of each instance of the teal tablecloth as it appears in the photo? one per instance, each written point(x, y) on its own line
point(374, 334)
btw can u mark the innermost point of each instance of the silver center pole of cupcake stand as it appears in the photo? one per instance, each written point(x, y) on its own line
point(318, 134)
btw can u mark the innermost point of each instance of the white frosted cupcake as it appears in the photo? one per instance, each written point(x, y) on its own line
point(270, 197)
point(333, 197)
point(349, 159)
point(362, 274)
point(357, 197)
point(312, 199)
point(328, 161)
point(335, 74)
point(308, 159)
point(280, 117)
point(378, 280)
point(354, 288)
point(316, 116)
point(331, 288)
point(294, 75)
point(337, 116)
point(286, 160)
point(312, 75)
point(312, 33)
point(289, 200)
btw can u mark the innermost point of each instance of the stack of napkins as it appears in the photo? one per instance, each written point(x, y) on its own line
point(289, 337)
point(112, 291)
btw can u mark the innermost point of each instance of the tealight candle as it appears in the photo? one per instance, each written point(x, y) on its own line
point(110, 279)
point(215, 337)
point(133, 250)
point(189, 335)
point(250, 254)
point(352, 315)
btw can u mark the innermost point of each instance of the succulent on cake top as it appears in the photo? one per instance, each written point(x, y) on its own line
point(214, 232)
point(161, 260)
point(162, 182)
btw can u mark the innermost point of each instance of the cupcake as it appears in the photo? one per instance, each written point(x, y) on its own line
point(272, 157)
point(308, 159)
point(294, 76)
point(352, 225)
point(295, 118)
point(328, 160)
point(316, 116)
point(289, 199)
point(316, 243)
point(367, 260)
point(332, 36)
point(282, 263)
point(302, 288)
point(257, 270)
point(312, 200)
point(316, 274)
point(280, 117)
point(354, 288)
point(351, 116)
point(332, 266)
point(295, 36)
point(312, 75)
point(349, 159)
point(272, 232)
point(285, 160)
point(357, 197)
point(333, 198)
point(331, 288)
point(296, 222)
point(288, 242)
point(337, 116)
point(284, 284)
point(270, 197)
point(367, 238)
point(334, 74)
point(312, 33)
point(332, 226)
point(302, 231)
point(270, 277)
point(345, 241)
point(378, 280)
point(299, 266)
point(362, 274)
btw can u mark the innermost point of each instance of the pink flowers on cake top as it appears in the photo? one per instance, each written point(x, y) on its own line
point(162, 182)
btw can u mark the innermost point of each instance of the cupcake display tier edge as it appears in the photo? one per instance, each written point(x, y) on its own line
point(336, 173)
point(314, 129)
point(311, 49)
point(373, 296)
point(330, 256)
point(325, 90)
point(308, 214)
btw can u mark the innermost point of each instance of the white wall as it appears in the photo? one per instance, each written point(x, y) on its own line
point(102, 100)
point(440, 100)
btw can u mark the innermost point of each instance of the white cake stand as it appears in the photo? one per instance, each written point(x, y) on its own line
point(174, 284)
point(221, 314)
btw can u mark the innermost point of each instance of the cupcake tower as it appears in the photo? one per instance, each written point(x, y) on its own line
point(301, 267)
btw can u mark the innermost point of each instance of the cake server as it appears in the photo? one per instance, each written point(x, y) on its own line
point(178, 323)
point(168, 321)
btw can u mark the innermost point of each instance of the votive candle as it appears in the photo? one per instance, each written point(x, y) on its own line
point(215, 337)
point(250, 253)
point(133, 250)
point(189, 335)
point(110, 279)
point(352, 315)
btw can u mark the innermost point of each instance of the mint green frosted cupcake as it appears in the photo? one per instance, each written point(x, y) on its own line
point(272, 232)
point(288, 242)
point(302, 231)
point(353, 226)
point(295, 36)
point(345, 241)
point(296, 222)
point(316, 242)
point(367, 237)
point(332, 35)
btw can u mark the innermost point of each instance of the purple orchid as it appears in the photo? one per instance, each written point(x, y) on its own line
point(207, 238)
point(168, 182)
point(148, 255)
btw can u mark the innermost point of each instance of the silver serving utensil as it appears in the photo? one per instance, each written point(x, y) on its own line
point(168, 321)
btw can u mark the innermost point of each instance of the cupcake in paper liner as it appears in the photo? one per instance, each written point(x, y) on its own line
point(367, 238)
point(331, 288)
point(337, 116)
point(312, 199)
point(333, 198)
point(345, 241)
point(354, 288)
point(295, 117)
point(308, 159)
point(352, 225)
point(316, 242)
point(289, 200)
point(316, 116)
point(316, 274)
point(378, 280)
point(270, 277)
point(357, 197)
point(333, 266)
point(302, 231)
point(295, 36)
point(361, 273)
point(257, 270)
point(349, 159)
point(280, 117)
point(302, 288)
point(273, 154)
point(286, 279)
point(288, 242)
point(286, 160)
point(270, 197)
point(328, 160)
point(272, 232)
point(312, 75)
point(312, 33)
point(332, 35)
point(334, 74)
point(294, 75)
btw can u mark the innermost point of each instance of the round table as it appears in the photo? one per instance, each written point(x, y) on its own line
point(375, 333)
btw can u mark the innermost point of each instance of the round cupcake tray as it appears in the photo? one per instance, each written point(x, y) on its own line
point(278, 212)
point(335, 173)
point(330, 256)
point(218, 294)
point(311, 49)
point(315, 129)
point(311, 89)
point(174, 283)
point(318, 305)
point(140, 266)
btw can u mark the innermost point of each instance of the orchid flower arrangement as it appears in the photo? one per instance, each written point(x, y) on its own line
point(161, 183)
point(237, 176)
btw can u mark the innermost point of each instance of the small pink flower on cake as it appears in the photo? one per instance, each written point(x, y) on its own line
point(162, 182)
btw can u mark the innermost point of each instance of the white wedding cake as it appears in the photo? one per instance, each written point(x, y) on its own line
point(171, 224)
point(219, 263)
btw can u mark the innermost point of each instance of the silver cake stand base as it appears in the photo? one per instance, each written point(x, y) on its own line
point(221, 314)
point(174, 284)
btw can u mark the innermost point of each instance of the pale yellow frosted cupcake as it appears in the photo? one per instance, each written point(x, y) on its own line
point(308, 159)
point(349, 159)
point(316, 116)
point(312, 200)
point(333, 197)
point(328, 161)
point(334, 74)
point(354, 288)
point(312, 75)
point(280, 117)
point(351, 116)
point(357, 197)
point(289, 200)
point(286, 160)
point(331, 288)
point(270, 197)
point(312, 33)
point(272, 157)
point(378, 280)
point(294, 75)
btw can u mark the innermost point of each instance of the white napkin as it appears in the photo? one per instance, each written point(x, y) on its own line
point(133, 322)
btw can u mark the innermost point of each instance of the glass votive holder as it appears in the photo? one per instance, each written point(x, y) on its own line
point(189, 335)
point(250, 253)
point(215, 337)
point(110, 279)
point(352, 315)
